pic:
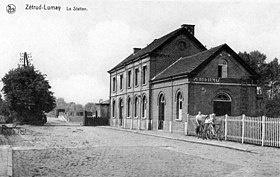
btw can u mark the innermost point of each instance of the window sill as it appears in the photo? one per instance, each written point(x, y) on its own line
point(144, 84)
point(128, 117)
point(136, 86)
point(178, 120)
point(128, 87)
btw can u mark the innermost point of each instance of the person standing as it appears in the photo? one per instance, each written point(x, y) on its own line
point(199, 119)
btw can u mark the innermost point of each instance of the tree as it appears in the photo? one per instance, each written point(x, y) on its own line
point(60, 103)
point(90, 107)
point(28, 94)
point(269, 81)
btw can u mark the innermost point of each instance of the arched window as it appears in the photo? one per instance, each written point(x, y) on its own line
point(120, 108)
point(222, 68)
point(136, 103)
point(161, 99)
point(222, 97)
point(113, 108)
point(128, 107)
point(144, 106)
point(161, 111)
point(222, 104)
point(179, 106)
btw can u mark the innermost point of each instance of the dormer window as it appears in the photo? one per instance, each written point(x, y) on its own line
point(222, 68)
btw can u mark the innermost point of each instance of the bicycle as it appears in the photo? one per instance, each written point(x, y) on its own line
point(214, 131)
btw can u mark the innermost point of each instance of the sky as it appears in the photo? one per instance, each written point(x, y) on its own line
point(75, 49)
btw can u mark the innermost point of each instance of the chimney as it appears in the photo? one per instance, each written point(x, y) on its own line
point(135, 50)
point(190, 28)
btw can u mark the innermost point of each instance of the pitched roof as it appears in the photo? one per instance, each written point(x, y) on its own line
point(192, 64)
point(155, 45)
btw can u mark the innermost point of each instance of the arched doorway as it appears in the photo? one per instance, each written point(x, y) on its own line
point(161, 106)
point(120, 111)
point(222, 104)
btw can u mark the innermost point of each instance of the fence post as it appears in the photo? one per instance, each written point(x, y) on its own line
point(139, 123)
point(157, 124)
point(243, 128)
point(85, 119)
point(124, 122)
point(263, 130)
point(147, 124)
point(186, 125)
point(170, 126)
point(226, 126)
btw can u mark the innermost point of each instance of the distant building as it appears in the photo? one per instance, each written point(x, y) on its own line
point(103, 109)
point(176, 75)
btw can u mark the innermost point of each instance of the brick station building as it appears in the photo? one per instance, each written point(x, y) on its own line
point(176, 75)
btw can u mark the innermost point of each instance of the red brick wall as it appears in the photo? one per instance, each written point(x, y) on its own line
point(235, 70)
point(169, 89)
point(202, 99)
point(170, 53)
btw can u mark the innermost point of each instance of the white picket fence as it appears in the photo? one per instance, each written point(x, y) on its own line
point(262, 130)
point(254, 130)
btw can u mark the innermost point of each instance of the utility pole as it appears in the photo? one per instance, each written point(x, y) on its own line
point(25, 59)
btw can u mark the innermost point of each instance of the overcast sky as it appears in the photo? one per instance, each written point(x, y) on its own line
point(76, 49)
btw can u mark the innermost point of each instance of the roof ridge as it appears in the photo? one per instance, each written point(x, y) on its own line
point(166, 68)
point(219, 46)
point(155, 44)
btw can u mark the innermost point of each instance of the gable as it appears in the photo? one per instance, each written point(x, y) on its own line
point(205, 64)
point(155, 45)
point(179, 46)
point(234, 69)
point(186, 65)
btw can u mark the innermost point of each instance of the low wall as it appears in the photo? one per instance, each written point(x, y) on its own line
point(79, 119)
point(96, 121)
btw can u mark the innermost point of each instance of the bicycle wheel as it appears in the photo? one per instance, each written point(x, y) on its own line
point(219, 135)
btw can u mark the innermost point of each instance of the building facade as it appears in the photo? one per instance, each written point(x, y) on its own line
point(176, 75)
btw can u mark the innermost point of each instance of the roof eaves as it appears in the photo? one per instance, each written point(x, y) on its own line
point(166, 69)
point(164, 79)
point(128, 62)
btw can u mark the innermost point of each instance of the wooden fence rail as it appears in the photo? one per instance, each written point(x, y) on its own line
point(253, 130)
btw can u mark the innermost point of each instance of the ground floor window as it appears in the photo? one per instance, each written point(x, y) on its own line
point(128, 107)
point(113, 108)
point(144, 106)
point(136, 103)
point(179, 106)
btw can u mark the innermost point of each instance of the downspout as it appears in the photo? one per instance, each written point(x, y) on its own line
point(171, 99)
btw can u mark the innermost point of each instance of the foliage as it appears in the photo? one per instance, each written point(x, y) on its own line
point(90, 107)
point(269, 81)
point(272, 107)
point(28, 95)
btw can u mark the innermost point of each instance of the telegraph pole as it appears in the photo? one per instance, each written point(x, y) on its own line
point(25, 59)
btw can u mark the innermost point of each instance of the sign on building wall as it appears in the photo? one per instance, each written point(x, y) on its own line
point(206, 79)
